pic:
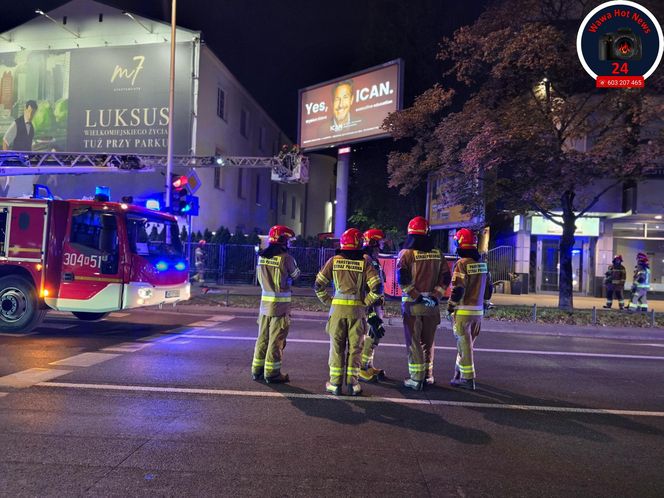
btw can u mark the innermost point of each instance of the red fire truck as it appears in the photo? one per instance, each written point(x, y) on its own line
point(86, 257)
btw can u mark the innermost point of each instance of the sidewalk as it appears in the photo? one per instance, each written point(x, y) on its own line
point(542, 300)
point(492, 326)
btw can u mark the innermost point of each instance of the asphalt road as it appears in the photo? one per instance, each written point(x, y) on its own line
point(162, 404)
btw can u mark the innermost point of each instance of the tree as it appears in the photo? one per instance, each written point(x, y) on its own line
point(516, 138)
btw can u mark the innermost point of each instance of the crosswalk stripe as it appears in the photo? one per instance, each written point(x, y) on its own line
point(84, 359)
point(30, 377)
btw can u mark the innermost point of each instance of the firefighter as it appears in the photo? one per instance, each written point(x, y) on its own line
point(200, 258)
point(275, 271)
point(471, 292)
point(373, 240)
point(615, 282)
point(640, 283)
point(423, 275)
point(357, 285)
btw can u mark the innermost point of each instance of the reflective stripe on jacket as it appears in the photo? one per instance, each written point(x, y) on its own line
point(274, 276)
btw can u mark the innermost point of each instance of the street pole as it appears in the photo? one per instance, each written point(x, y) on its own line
point(171, 106)
point(341, 210)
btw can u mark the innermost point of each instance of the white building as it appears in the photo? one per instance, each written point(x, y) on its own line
point(100, 77)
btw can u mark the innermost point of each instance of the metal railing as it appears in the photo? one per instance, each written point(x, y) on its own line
point(501, 263)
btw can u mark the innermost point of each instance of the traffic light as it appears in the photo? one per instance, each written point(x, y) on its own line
point(182, 204)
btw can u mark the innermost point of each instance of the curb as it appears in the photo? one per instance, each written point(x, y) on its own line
point(493, 326)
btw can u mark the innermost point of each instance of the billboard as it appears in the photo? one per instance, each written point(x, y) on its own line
point(105, 99)
point(349, 109)
point(440, 213)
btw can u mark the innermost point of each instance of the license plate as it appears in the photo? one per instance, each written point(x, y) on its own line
point(173, 293)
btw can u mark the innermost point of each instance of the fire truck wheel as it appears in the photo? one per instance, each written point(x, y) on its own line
point(88, 316)
point(19, 305)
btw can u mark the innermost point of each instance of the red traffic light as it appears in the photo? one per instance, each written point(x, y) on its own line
point(180, 182)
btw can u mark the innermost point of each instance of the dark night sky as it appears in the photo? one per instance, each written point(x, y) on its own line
point(275, 47)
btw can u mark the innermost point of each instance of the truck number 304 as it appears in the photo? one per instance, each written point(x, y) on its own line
point(93, 261)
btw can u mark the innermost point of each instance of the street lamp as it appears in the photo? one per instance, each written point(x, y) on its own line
point(171, 105)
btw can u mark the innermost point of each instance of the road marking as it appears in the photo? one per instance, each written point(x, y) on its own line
point(652, 345)
point(449, 348)
point(204, 323)
point(359, 399)
point(84, 359)
point(7, 334)
point(221, 318)
point(3, 394)
point(30, 377)
point(128, 347)
point(118, 314)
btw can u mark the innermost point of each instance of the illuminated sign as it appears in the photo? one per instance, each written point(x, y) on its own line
point(585, 227)
point(349, 109)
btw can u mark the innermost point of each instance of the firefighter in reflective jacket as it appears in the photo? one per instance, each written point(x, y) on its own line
point(373, 240)
point(640, 283)
point(275, 271)
point(471, 292)
point(614, 280)
point(356, 286)
point(423, 275)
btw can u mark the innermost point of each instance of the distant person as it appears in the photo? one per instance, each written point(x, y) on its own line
point(21, 132)
point(275, 271)
point(640, 283)
point(200, 259)
point(342, 100)
point(614, 281)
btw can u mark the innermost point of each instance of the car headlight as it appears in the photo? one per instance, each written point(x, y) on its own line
point(145, 293)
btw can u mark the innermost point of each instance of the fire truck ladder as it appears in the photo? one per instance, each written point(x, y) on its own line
point(286, 168)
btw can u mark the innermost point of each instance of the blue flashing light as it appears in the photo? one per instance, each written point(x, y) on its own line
point(102, 193)
point(153, 204)
point(161, 266)
point(180, 266)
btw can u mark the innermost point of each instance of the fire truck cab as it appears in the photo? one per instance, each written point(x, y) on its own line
point(86, 257)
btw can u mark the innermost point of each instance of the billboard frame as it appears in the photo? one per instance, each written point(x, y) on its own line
point(399, 62)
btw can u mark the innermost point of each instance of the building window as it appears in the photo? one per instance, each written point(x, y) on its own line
point(221, 103)
point(244, 123)
point(262, 133)
point(240, 183)
point(258, 189)
point(273, 196)
point(283, 203)
point(292, 212)
point(219, 173)
point(302, 212)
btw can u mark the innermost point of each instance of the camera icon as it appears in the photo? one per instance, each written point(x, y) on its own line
point(623, 45)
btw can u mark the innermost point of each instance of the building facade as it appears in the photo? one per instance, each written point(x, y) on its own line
point(100, 78)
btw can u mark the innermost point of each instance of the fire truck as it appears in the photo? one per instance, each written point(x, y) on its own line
point(85, 257)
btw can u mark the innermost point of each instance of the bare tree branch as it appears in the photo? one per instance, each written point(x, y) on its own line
point(596, 199)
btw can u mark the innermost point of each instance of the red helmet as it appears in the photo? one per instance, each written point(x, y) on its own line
point(642, 258)
point(371, 235)
point(202, 242)
point(618, 258)
point(418, 226)
point(466, 239)
point(280, 234)
point(351, 240)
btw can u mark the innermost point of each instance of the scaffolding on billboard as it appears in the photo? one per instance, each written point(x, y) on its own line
point(287, 168)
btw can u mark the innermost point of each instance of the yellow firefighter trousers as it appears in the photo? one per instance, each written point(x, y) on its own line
point(343, 330)
point(419, 331)
point(368, 352)
point(466, 329)
point(272, 333)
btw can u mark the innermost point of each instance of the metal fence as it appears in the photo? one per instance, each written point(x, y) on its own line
point(236, 264)
point(501, 264)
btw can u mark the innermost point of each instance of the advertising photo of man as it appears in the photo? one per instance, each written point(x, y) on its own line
point(342, 100)
point(20, 133)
